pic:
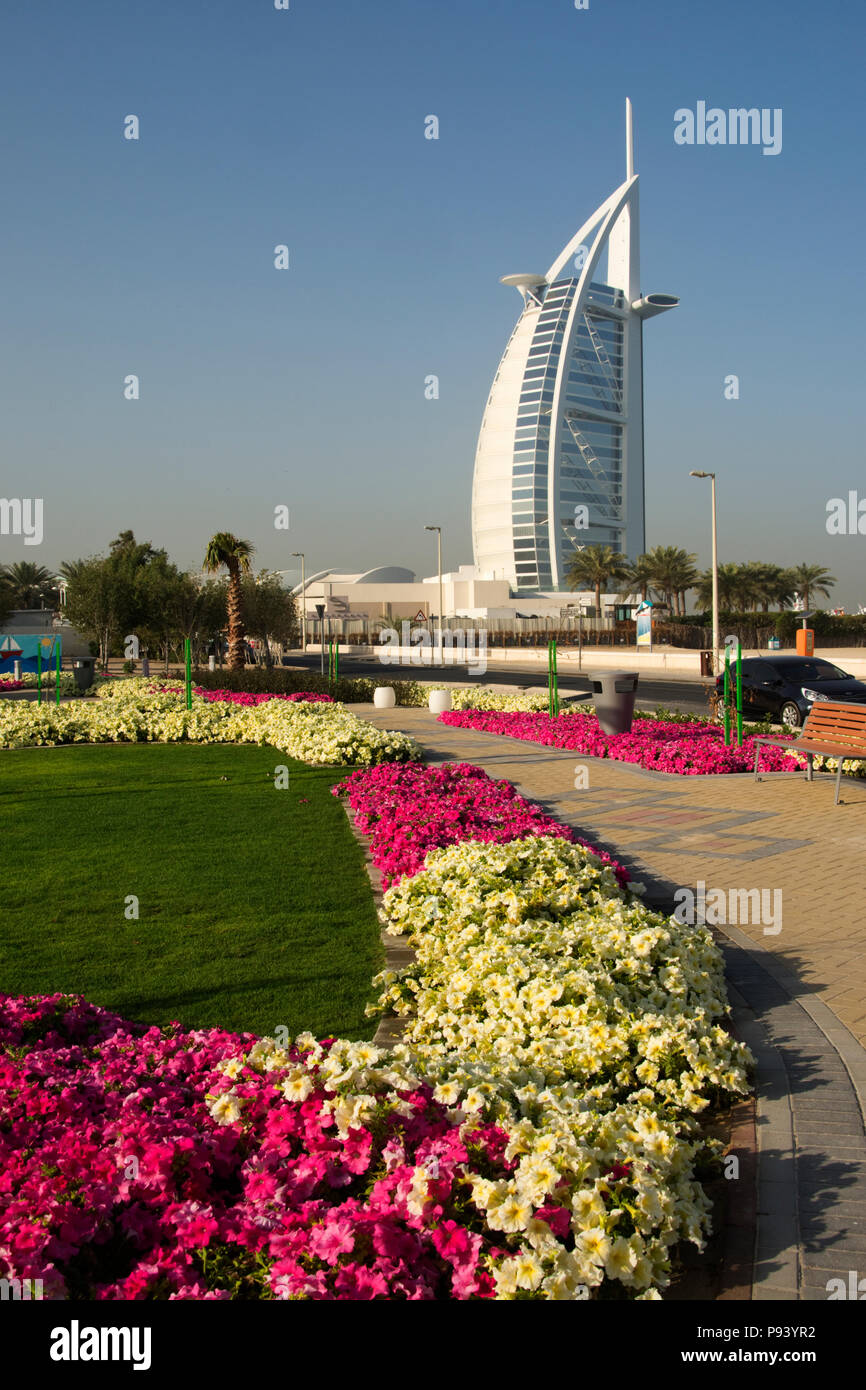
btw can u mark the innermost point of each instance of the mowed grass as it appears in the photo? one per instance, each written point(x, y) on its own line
point(254, 905)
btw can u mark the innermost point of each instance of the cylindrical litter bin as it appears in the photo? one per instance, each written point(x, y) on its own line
point(83, 672)
point(613, 694)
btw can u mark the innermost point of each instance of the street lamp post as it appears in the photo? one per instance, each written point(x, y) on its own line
point(695, 474)
point(299, 555)
point(438, 530)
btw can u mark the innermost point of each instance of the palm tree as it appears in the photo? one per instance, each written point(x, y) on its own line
point(809, 579)
point(28, 585)
point(746, 586)
point(782, 587)
point(594, 566)
point(729, 579)
point(224, 549)
point(672, 572)
point(639, 578)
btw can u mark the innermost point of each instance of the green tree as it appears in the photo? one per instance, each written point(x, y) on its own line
point(269, 611)
point(728, 587)
point(811, 579)
point(227, 551)
point(101, 602)
point(639, 578)
point(594, 567)
point(671, 573)
point(6, 604)
point(29, 585)
point(169, 603)
point(106, 595)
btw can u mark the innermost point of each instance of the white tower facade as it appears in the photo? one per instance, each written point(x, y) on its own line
point(560, 458)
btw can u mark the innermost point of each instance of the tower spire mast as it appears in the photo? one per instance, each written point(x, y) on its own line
point(629, 140)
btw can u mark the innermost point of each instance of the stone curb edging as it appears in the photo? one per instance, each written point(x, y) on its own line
point(810, 1127)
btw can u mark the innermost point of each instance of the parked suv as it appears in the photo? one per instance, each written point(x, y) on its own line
point(784, 688)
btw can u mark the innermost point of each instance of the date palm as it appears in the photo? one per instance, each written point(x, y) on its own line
point(639, 579)
point(594, 566)
point(226, 551)
point(811, 579)
point(672, 572)
point(28, 585)
point(728, 586)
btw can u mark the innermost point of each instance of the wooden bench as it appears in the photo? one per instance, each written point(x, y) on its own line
point(831, 729)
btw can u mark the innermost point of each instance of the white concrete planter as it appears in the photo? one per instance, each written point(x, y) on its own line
point(439, 700)
point(384, 697)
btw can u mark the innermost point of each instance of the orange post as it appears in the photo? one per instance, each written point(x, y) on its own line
point(805, 641)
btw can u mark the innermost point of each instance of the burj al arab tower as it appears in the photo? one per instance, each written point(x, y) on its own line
point(560, 459)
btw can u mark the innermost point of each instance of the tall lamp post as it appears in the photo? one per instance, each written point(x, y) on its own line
point(299, 555)
point(438, 530)
point(695, 474)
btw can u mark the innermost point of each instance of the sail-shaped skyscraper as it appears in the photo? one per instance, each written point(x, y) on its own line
point(560, 453)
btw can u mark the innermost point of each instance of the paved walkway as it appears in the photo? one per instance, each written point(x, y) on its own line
point(799, 994)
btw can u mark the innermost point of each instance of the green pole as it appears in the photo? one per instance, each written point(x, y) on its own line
point(555, 682)
point(727, 694)
point(336, 661)
point(549, 681)
point(739, 695)
point(39, 673)
point(187, 651)
point(57, 670)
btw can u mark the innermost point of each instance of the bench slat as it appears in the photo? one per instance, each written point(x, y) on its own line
point(832, 729)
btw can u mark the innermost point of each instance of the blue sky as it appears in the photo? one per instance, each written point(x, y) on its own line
point(305, 387)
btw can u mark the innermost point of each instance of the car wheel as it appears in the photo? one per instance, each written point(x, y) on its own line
point(790, 715)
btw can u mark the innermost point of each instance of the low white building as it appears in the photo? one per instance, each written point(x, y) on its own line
point(390, 591)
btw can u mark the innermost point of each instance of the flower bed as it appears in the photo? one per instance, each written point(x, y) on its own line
point(9, 683)
point(407, 811)
point(589, 1028)
point(146, 1164)
point(534, 1137)
point(470, 697)
point(238, 697)
point(140, 711)
point(686, 749)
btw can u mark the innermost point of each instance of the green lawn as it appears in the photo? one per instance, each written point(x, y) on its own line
point(254, 905)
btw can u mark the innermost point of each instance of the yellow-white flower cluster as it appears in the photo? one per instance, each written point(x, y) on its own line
point(473, 698)
point(546, 998)
point(132, 711)
point(851, 767)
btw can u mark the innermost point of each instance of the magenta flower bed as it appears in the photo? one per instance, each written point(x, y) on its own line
point(408, 810)
point(242, 697)
point(9, 683)
point(116, 1182)
point(686, 749)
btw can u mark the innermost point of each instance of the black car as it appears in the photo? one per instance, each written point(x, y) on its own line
point(784, 688)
